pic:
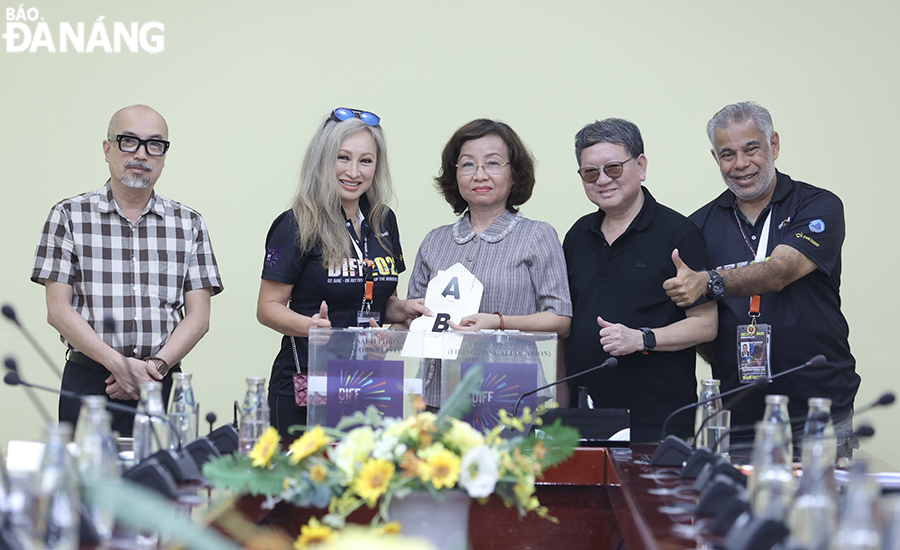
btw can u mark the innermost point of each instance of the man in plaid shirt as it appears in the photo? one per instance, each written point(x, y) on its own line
point(128, 273)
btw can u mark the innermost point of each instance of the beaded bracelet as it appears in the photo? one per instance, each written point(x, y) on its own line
point(498, 314)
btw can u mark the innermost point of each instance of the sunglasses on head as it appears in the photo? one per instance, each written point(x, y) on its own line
point(342, 113)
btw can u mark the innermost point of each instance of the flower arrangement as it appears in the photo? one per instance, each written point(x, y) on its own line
point(371, 460)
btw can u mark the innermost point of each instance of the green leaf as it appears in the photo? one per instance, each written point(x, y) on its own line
point(236, 473)
point(145, 510)
point(559, 441)
point(460, 402)
point(371, 417)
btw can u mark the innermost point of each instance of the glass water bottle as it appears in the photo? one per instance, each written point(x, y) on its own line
point(56, 523)
point(183, 409)
point(96, 457)
point(151, 432)
point(254, 414)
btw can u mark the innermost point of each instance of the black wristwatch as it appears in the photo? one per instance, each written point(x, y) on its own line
point(649, 338)
point(715, 288)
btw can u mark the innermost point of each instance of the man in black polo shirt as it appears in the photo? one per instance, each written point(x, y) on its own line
point(618, 258)
point(778, 239)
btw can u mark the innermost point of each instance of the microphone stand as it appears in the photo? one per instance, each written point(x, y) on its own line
point(611, 362)
point(673, 451)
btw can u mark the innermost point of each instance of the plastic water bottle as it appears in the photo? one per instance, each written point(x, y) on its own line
point(183, 409)
point(151, 433)
point(58, 500)
point(254, 414)
point(96, 457)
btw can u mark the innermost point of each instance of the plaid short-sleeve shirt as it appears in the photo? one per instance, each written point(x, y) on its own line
point(135, 274)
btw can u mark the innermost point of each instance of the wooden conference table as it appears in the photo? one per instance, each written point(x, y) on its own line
point(601, 497)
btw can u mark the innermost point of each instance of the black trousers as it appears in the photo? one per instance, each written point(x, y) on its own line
point(284, 413)
point(90, 379)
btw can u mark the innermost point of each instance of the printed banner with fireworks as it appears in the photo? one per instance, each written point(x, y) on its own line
point(354, 385)
point(502, 385)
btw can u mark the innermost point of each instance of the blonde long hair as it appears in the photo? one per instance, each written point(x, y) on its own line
point(317, 204)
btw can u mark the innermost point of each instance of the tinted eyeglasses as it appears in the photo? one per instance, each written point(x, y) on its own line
point(130, 144)
point(342, 113)
point(613, 170)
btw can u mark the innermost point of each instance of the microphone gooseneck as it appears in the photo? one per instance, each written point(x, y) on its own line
point(817, 361)
point(10, 314)
point(13, 378)
point(609, 363)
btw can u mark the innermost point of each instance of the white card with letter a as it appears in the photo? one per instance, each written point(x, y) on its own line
point(451, 295)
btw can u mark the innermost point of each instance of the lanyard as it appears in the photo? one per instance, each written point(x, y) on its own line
point(759, 256)
point(367, 265)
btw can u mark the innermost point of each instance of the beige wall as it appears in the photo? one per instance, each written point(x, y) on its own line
point(244, 85)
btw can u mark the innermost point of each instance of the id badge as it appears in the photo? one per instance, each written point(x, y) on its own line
point(754, 352)
point(362, 318)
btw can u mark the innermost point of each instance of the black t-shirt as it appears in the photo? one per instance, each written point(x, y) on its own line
point(805, 316)
point(342, 287)
point(623, 284)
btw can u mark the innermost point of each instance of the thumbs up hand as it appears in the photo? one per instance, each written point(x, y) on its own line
point(320, 320)
point(687, 286)
point(618, 340)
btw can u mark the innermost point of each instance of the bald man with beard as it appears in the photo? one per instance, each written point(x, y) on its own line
point(128, 273)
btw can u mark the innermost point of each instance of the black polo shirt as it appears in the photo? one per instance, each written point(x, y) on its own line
point(623, 284)
point(805, 316)
point(342, 287)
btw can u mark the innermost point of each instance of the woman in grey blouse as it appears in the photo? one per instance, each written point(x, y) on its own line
point(486, 174)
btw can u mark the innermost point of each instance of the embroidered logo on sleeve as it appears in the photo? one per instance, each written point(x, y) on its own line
point(273, 255)
point(817, 226)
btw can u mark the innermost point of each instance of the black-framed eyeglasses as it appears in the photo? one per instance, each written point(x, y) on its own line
point(613, 170)
point(130, 144)
point(493, 167)
point(343, 113)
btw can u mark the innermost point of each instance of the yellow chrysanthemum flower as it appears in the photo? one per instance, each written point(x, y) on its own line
point(308, 443)
point(261, 453)
point(443, 468)
point(391, 528)
point(318, 473)
point(313, 533)
point(373, 479)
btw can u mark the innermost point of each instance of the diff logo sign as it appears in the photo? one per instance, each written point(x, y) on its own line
point(27, 31)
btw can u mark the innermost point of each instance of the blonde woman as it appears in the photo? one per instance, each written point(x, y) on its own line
point(338, 236)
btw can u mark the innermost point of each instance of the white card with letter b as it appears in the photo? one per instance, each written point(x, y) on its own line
point(451, 295)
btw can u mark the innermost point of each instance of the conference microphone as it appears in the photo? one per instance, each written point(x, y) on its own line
point(673, 451)
point(885, 399)
point(180, 462)
point(12, 378)
point(817, 361)
point(864, 430)
point(10, 314)
point(609, 363)
point(757, 384)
